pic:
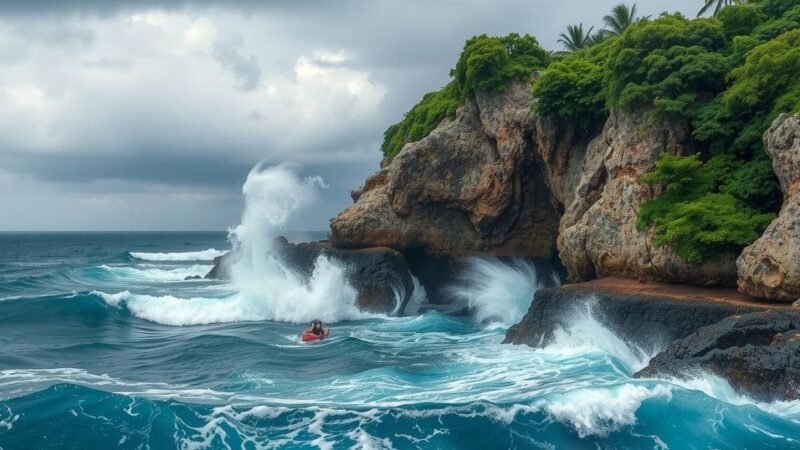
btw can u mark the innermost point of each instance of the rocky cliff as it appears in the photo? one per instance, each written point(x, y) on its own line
point(770, 267)
point(598, 235)
point(500, 179)
point(494, 179)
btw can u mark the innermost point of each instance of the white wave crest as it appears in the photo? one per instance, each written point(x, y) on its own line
point(202, 255)
point(156, 274)
point(496, 291)
point(601, 411)
point(584, 334)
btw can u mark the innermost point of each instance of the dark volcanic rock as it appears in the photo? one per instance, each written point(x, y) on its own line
point(648, 321)
point(193, 277)
point(380, 275)
point(758, 353)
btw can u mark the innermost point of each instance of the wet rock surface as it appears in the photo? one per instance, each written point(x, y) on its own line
point(647, 321)
point(758, 353)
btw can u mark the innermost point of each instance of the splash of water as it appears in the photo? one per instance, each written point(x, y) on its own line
point(494, 290)
point(584, 334)
point(266, 286)
point(266, 289)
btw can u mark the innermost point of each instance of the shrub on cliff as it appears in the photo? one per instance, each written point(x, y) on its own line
point(573, 89)
point(487, 63)
point(667, 65)
point(698, 214)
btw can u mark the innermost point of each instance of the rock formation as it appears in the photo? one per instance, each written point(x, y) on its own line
point(476, 183)
point(770, 267)
point(598, 235)
point(758, 353)
point(500, 179)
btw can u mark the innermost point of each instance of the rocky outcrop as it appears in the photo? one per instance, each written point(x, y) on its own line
point(758, 353)
point(648, 318)
point(598, 235)
point(500, 179)
point(770, 267)
point(492, 179)
point(379, 275)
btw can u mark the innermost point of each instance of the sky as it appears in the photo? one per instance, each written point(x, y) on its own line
point(148, 115)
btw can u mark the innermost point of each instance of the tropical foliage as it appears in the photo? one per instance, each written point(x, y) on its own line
point(487, 63)
point(717, 4)
point(576, 38)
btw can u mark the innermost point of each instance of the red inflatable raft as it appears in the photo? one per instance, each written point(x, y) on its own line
point(309, 337)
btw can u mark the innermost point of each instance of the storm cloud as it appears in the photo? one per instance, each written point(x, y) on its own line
point(148, 114)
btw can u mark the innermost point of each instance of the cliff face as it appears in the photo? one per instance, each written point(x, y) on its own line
point(478, 182)
point(770, 267)
point(598, 235)
point(502, 180)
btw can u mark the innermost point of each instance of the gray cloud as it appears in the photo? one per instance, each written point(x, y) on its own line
point(120, 104)
point(230, 52)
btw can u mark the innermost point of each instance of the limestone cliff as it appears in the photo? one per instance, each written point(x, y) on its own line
point(598, 235)
point(770, 267)
point(491, 180)
point(500, 179)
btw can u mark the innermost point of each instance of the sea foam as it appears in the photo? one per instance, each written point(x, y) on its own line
point(201, 255)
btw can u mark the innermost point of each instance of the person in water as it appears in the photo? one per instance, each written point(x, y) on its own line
point(317, 330)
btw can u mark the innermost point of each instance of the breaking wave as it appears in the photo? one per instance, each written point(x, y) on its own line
point(202, 255)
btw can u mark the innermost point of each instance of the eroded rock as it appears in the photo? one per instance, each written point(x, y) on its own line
point(476, 183)
point(598, 235)
point(770, 267)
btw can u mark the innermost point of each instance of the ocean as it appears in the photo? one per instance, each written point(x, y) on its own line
point(104, 345)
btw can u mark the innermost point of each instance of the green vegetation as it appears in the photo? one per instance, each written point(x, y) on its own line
point(487, 63)
point(728, 77)
point(699, 214)
point(576, 38)
point(718, 4)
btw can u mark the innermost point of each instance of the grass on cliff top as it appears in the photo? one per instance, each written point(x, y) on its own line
point(487, 63)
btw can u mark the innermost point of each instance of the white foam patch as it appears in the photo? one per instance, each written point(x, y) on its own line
point(112, 299)
point(584, 334)
point(601, 411)
point(496, 291)
point(202, 255)
point(156, 274)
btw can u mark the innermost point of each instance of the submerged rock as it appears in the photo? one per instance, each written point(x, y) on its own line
point(758, 353)
point(770, 267)
point(379, 275)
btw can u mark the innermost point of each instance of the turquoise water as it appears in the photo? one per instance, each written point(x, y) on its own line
point(104, 345)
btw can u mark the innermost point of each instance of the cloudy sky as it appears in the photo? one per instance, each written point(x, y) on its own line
point(147, 115)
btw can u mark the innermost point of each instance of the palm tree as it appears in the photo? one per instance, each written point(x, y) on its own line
point(575, 38)
point(719, 3)
point(621, 17)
